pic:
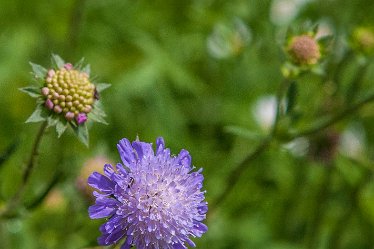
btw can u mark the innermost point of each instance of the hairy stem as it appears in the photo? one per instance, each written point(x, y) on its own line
point(13, 202)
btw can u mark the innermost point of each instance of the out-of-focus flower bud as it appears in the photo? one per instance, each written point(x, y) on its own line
point(228, 39)
point(304, 50)
point(90, 166)
point(363, 40)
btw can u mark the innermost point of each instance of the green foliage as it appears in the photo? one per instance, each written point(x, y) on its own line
point(309, 188)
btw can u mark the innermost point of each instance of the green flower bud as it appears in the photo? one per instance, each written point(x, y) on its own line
point(363, 39)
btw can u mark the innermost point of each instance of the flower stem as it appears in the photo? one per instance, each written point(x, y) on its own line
point(13, 202)
point(235, 174)
point(322, 124)
point(356, 83)
point(320, 208)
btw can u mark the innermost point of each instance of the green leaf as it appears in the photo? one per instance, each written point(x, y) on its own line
point(33, 91)
point(87, 69)
point(96, 117)
point(97, 114)
point(102, 86)
point(79, 64)
point(57, 61)
point(243, 132)
point(40, 114)
point(4, 156)
point(61, 127)
point(326, 41)
point(52, 120)
point(315, 28)
point(39, 71)
point(82, 133)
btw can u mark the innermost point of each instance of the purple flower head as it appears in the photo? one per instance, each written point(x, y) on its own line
point(154, 200)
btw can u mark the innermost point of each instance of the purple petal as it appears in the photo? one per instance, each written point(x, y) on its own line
point(127, 153)
point(128, 243)
point(179, 246)
point(103, 207)
point(100, 182)
point(184, 159)
point(113, 237)
point(199, 228)
point(190, 242)
point(142, 149)
point(160, 145)
point(125, 246)
point(108, 170)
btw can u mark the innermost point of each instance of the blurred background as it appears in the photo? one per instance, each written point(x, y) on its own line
point(203, 74)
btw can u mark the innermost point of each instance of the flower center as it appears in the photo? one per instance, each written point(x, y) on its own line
point(304, 49)
point(69, 91)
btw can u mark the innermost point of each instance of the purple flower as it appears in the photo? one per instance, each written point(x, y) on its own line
point(152, 201)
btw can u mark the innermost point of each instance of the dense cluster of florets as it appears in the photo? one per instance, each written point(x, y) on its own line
point(304, 50)
point(69, 92)
point(153, 201)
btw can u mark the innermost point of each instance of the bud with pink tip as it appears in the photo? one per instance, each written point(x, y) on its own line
point(69, 116)
point(81, 118)
point(45, 91)
point(57, 109)
point(51, 73)
point(49, 104)
point(68, 66)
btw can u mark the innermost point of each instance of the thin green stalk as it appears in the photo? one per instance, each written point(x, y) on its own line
point(341, 225)
point(319, 209)
point(235, 174)
point(320, 125)
point(348, 56)
point(356, 83)
point(14, 201)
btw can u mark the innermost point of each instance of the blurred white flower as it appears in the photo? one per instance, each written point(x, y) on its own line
point(325, 28)
point(228, 39)
point(283, 12)
point(298, 147)
point(352, 142)
point(264, 111)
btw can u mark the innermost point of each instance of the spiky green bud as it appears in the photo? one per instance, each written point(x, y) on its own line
point(66, 96)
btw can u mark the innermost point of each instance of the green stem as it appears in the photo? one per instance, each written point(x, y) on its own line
point(320, 125)
point(341, 225)
point(339, 69)
point(356, 83)
point(13, 202)
point(235, 174)
point(319, 209)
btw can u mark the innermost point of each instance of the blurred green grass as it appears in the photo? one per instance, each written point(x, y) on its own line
point(166, 82)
